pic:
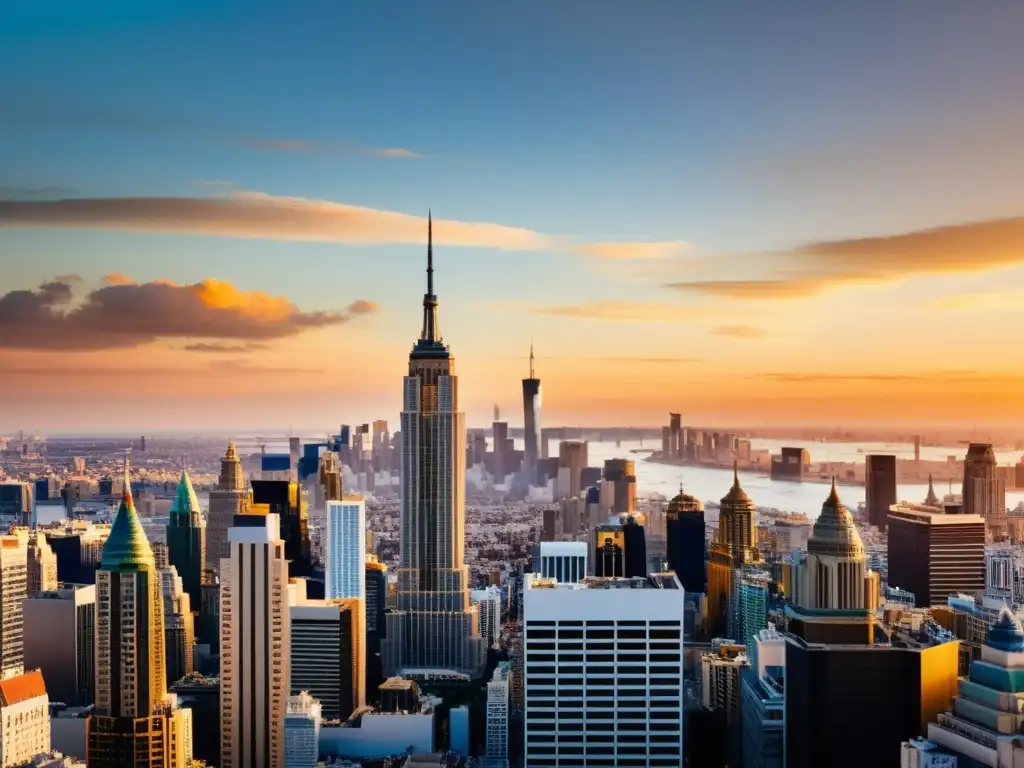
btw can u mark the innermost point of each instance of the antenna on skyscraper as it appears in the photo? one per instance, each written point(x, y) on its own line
point(531, 358)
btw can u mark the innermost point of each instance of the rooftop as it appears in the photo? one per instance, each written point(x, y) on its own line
point(15, 690)
point(653, 581)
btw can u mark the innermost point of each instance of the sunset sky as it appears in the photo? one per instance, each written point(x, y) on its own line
point(213, 214)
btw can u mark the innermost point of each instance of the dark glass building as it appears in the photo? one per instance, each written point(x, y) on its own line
point(635, 549)
point(531, 422)
point(284, 499)
point(186, 539)
point(855, 704)
point(880, 487)
point(376, 624)
point(685, 532)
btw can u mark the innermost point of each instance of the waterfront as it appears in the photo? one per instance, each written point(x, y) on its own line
point(712, 483)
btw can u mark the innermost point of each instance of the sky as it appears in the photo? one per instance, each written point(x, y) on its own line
point(213, 214)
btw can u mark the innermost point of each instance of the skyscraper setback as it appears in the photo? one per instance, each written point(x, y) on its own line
point(435, 628)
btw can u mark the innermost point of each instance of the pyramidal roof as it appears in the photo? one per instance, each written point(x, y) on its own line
point(1006, 634)
point(185, 510)
point(737, 498)
point(127, 548)
point(834, 532)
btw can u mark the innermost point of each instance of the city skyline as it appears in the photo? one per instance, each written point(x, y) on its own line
point(756, 223)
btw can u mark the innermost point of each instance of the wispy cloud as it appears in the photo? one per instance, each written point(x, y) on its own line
point(985, 300)
point(307, 146)
point(739, 331)
point(217, 347)
point(622, 311)
point(637, 250)
point(938, 377)
point(124, 314)
point(817, 267)
point(259, 215)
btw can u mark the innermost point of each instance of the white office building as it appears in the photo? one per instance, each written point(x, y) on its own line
point(626, 708)
point(346, 548)
point(255, 634)
point(496, 747)
point(302, 731)
point(488, 602)
point(564, 561)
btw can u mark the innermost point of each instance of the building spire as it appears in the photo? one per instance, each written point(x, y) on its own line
point(126, 493)
point(431, 328)
point(531, 358)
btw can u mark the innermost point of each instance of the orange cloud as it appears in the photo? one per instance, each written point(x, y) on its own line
point(623, 311)
point(638, 250)
point(817, 267)
point(997, 300)
point(123, 313)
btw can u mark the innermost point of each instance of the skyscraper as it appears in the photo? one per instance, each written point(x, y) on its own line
point(376, 623)
point(135, 724)
point(284, 497)
point(684, 526)
point(13, 591)
point(531, 421)
point(229, 498)
point(346, 571)
point(435, 627)
point(42, 565)
point(254, 643)
point(735, 546)
point(984, 492)
point(186, 539)
point(880, 488)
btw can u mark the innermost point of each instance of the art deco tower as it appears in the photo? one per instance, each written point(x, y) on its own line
point(435, 628)
point(229, 498)
point(735, 546)
point(531, 422)
point(136, 724)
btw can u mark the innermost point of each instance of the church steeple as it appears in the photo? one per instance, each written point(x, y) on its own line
point(431, 327)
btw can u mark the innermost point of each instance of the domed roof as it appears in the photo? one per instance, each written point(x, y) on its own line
point(1006, 634)
point(684, 502)
point(127, 548)
point(737, 498)
point(834, 532)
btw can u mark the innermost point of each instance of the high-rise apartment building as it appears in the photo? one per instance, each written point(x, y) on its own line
point(984, 491)
point(880, 487)
point(497, 718)
point(24, 719)
point(749, 608)
point(346, 569)
point(254, 643)
point(434, 626)
point(13, 591)
point(61, 625)
point(325, 654)
point(603, 684)
point(935, 554)
point(563, 560)
point(179, 626)
point(42, 565)
point(135, 723)
point(734, 547)
point(186, 539)
point(302, 731)
point(231, 497)
point(685, 545)
point(488, 603)
point(531, 422)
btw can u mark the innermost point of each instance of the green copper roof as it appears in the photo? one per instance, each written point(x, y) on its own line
point(127, 548)
point(185, 511)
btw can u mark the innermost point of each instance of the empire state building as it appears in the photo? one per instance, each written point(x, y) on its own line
point(435, 629)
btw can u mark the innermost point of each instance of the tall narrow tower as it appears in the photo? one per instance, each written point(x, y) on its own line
point(531, 422)
point(135, 724)
point(186, 539)
point(231, 497)
point(435, 628)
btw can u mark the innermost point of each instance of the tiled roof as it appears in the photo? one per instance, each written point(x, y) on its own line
point(22, 688)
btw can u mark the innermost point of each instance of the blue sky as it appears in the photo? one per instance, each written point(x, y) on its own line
point(740, 128)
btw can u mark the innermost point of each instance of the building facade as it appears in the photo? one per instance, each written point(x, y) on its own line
point(24, 718)
point(325, 654)
point(563, 560)
point(231, 497)
point(984, 490)
point(254, 643)
point(434, 627)
point(302, 731)
point(531, 422)
point(685, 545)
point(602, 660)
point(62, 624)
point(734, 547)
point(880, 488)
